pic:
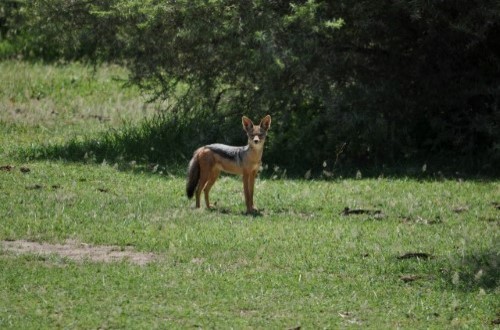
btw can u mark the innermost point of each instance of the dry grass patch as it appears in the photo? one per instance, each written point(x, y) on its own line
point(80, 251)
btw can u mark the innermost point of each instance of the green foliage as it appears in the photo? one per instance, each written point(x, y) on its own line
point(395, 81)
point(10, 21)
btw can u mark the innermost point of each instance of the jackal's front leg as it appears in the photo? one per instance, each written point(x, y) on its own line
point(248, 188)
point(251, 185)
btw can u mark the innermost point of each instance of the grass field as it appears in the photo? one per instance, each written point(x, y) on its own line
point(405, 254)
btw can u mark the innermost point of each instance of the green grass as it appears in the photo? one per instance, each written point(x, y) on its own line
point(43, 105)
point(301, 263)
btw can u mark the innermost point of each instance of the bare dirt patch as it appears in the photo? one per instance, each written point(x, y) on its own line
point(80, 251)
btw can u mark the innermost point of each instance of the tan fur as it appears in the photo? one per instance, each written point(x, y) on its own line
point(210, 164)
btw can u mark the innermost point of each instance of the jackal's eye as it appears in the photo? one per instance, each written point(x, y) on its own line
point(260, 135)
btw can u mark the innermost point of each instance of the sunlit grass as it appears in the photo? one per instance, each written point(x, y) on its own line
point(301, 262)
point(48, 104)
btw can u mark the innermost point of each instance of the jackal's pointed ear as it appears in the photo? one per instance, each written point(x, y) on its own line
point(247, 123)
point(265, 123)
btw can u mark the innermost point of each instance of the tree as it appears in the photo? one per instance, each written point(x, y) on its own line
point(397, 80)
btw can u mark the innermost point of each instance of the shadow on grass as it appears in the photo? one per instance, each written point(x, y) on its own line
point(227, 211)
point(170, 139)
point(476, 271)
point(473, 272)
point(147, 147)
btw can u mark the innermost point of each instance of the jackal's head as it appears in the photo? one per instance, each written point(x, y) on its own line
point(256, 133)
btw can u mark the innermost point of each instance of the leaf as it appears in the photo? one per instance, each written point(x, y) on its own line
point(345, 314)
point(410, 278)
point(460, 209)
point(420, 220)
point(350, 317)
point(348, 211)
point(25, 169)
point(34, 187)
point(415, 255)
point(328, 174)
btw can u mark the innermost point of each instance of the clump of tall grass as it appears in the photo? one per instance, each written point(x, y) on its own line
point(166, 137)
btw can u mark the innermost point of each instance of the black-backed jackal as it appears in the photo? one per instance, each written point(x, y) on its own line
point(208, 161)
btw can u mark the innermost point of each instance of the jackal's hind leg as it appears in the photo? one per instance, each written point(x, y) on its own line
point(211, 180)
point(201, 186)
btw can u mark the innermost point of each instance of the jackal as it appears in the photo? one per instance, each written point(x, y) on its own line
point(207, 162)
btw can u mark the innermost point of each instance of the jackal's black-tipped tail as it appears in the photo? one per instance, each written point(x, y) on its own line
point(193, 176)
